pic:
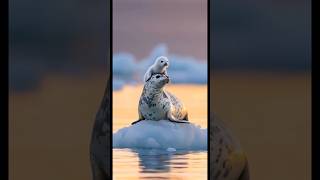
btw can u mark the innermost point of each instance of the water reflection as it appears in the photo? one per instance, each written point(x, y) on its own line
point(156, 160)
point(134, 164)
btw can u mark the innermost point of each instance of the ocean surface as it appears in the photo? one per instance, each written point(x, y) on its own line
point(159, 164)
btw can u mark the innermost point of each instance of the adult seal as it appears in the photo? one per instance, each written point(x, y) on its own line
point(228, 161)
point(100, 146)
point(158, 104)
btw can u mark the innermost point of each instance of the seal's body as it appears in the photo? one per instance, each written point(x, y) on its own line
point(156, 104)
point(228, 161)
point(159, 67)
point(100, 147)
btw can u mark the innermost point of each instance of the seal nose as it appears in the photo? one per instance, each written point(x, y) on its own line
point(165, 64)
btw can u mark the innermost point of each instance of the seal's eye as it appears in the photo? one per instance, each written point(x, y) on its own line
point(161, 61)
point(157, 76)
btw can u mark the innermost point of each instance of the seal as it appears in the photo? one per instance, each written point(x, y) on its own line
point(100, 147)
point(158, 67)
point(228, 160)
point(156, 103)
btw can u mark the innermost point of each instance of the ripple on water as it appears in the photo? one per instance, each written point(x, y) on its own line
point(159, 164)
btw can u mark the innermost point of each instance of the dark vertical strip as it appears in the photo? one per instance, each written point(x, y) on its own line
point(208, 88)
point(111, 81)
point(314, 119)
point(5, 91)
point(210, 73)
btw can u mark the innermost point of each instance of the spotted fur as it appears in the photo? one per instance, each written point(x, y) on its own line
point(156, 103)
point(228, 161)
point(100, 147)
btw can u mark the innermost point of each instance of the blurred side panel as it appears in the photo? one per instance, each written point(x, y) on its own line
point(260, 82)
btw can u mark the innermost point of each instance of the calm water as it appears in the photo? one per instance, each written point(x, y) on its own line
point(131, 164)
point(159, 164)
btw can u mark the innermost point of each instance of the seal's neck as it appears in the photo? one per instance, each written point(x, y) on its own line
point(160, 69)
point(153, 92)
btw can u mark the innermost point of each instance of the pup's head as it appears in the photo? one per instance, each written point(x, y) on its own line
point(158, 81)
point(162, 61)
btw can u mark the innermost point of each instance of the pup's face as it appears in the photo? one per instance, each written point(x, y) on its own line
point(162, 61)
point(158, 80)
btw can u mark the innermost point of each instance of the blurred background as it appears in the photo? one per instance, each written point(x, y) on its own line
point(261, 82)
point(57, 74)
point(58, 54)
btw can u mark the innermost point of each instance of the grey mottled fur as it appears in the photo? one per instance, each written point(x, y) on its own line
point(228, 161)
point(100, 147)
point(156, 103)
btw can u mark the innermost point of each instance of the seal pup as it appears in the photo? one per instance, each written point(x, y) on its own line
point(158, 67)
point(156, 104)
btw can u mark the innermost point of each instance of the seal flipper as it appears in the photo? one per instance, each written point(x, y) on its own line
point(140, 118)
point(173, 119)
point(148, 75)
point(245, 173)
point(181, 121)
point(137, 121)
point(186, 118)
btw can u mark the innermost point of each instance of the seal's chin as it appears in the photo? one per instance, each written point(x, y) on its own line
point(162, 83)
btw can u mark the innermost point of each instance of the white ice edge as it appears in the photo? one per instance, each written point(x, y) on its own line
point(161, 134)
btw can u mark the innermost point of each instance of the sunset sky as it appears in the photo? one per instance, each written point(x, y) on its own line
point(139, 25)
